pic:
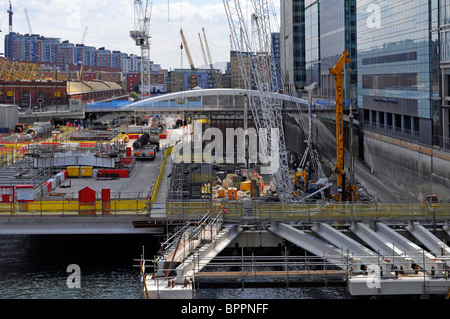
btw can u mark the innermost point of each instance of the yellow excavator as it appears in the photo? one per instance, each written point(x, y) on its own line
point(345, 190)
point(296, 181)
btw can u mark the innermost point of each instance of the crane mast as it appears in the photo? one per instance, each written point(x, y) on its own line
point(258, 71)
point(141, 35)
point(207, 49)
point(188, 53)
point(203, 50)
point(79, 59)
point(33, 48)
point(346, 191)
point(10, 41)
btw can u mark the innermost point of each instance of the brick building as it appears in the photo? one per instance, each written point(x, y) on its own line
point(48, 93)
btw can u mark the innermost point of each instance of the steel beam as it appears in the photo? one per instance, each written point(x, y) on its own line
point(436, 246)
point(310, 243)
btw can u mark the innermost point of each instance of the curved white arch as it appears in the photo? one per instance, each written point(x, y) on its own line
point(208, 99)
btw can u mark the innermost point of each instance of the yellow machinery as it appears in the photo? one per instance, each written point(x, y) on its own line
point(345, 191)
point(296, 180)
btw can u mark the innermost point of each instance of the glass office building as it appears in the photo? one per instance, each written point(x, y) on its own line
point(338, 33)
point(442, 124)
point(312, 41)
point(292, 40)
point(398, 67)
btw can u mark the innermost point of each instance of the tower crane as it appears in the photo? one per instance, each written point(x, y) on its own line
point(257, 67)
point(141, 35)
point(188, 53)
point(10, 39)
point(79, 60)
point(259, 71)
point(345, 190)
point(33, 49)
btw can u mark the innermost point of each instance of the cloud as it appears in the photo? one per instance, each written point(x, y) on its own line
point(109, 24)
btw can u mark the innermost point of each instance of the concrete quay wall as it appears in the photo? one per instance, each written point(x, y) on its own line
point(418, 169)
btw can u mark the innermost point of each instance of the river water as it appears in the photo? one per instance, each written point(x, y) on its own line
point(34, 267)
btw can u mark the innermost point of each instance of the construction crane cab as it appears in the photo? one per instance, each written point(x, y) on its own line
point(345, 189)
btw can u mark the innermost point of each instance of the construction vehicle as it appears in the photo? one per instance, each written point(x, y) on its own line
point(143, 149)
point(431, 201)
point(154, 137)
point(345, 189)
point(146, 152)
point(296, 180)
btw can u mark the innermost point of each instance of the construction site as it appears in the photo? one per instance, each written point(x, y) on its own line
point(307, 181)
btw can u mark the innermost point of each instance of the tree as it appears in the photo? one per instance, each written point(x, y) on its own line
point(134, 96)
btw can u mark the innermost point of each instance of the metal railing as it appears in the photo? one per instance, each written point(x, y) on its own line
point(238, 212)
point(288, 268)
point(71, 207)
point(392, 131)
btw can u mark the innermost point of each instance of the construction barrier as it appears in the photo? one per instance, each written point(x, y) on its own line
point(161, 170)
point(65, 207)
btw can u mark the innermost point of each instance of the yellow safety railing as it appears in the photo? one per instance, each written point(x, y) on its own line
point(234, 210)
point(160, 175)
point(309, 212)
point(73, 207)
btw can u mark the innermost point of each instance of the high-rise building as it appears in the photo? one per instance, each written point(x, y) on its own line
point(292, 40)
point(103, 57)
point(337, 25)
point(312, 42)
point(276, 54)
point(65, 55)
point(441, 117)
point(398, 67)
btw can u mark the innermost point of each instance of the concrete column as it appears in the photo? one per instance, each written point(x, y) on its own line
point(385, 120)
point(370, 117)
point(413, 126)
point(378, 118)
point(393, 121)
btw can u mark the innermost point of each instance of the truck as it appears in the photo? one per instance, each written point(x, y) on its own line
point(147, 151)
point(154, 137)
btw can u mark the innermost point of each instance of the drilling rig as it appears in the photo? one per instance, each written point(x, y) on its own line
point(345, 189)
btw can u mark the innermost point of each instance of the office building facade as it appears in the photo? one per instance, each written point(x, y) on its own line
point(398, 68)
point(292, 41)
point(314, 34)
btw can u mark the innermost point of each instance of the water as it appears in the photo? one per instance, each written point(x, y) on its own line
point(34, 267)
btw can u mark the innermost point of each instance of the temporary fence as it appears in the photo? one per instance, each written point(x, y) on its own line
point(239, 211)
point(65, 207)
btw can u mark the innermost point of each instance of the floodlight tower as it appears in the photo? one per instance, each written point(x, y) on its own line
point(141, 35)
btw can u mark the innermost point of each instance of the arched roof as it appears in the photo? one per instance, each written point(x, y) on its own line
point(208, 99)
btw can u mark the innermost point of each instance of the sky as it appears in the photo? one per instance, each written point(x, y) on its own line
point(109, 23)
